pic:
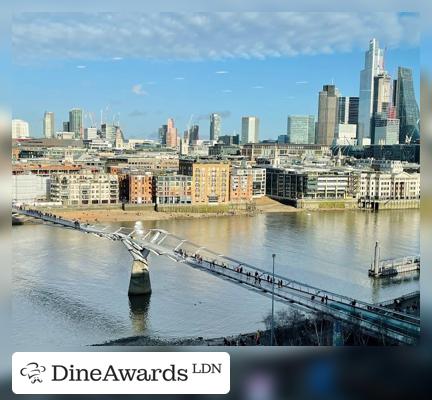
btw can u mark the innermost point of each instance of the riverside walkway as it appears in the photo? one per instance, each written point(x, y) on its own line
point(375, 319)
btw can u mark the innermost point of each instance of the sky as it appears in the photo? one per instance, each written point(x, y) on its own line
point(142, 68)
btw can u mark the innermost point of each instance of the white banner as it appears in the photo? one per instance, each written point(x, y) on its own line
point(120, 373)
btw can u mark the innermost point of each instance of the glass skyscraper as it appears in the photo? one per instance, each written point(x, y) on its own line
point(374, 65)
point(407, 107)
point(301, 129)
point(76, 122)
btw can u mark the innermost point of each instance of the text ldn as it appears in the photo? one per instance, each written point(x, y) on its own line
point(72, 374)
point(204, 368)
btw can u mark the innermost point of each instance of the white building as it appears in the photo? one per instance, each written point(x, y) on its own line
point(346, 135)
point(90, 133)
point(30, 188)
point(49, 125)
point(250, 130)
point(389, 186)
point(85, 188)
point(20, 129)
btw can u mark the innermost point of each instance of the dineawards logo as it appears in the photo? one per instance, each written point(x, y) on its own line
point(33, 371)
point(121, 373)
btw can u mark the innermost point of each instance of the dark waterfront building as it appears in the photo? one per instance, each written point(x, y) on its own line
point(163, 134)
point(407, 107)
point(327, 115)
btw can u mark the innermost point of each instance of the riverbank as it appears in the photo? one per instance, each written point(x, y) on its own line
point(147, 213)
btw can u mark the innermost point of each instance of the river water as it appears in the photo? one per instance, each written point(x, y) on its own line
point(70, 289)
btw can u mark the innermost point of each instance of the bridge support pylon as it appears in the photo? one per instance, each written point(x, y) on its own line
point(139, 283)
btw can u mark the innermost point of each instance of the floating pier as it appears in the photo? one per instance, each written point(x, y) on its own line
point(392, 267)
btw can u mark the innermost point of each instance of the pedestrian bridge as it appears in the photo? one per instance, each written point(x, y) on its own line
point(375, 319)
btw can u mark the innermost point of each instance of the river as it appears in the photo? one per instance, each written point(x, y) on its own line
point(70, 289)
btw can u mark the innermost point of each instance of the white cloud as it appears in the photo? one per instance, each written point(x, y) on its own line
point(201, 36)
point(117, 58)
point(257, 87)
point(222, 72)
point(302, 82)
point(179, 78)
point(81, 66)
point(227, 91)
point(138, 90)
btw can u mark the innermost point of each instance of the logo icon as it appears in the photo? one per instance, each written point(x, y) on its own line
point(33, 371)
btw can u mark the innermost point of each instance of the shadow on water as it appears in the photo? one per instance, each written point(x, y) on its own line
point(138, 311)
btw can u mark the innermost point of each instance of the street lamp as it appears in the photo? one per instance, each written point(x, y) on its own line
point(272, 319)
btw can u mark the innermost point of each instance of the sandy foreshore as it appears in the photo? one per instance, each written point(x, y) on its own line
point(263, 205)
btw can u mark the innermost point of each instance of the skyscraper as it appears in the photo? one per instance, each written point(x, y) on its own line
point(215, 126)
point(301, 129)
point(348, 110)
point(373, 66)
point(109, 132)
point(20, 129)
point(382, 101)
point(49, 125)
point(193, 134)
point(406, 107)
point(250, 130)
point(76, 122)
point(326, 127)
point(163, 134)
point(171, 135)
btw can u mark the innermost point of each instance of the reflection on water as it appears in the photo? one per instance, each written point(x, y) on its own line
point(76, 284)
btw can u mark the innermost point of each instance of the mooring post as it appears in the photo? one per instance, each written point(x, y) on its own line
point(376, 259)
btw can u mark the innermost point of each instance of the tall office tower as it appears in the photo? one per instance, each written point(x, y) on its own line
point(163, 134)
point(373, 66)
point(382, 100)
point(348, 110)
point(407, 108)
point(386, 129)
point(20, 129)
point(76, 122)
point(171, 135)
point(326, 127)
point(250, 130)
point(215, 126)
point(66, 126)
point(193, 134)
point(301, 129)
point(49, 125)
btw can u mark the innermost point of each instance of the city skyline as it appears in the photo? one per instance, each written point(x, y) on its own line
point(144, 92)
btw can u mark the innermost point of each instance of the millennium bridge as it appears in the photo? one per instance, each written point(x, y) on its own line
point(374, 319)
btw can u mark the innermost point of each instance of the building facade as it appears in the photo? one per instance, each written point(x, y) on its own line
point(210, 180)
point(373, 66)
point(171, 134)
point(49, 125)
point(250, 130)
point(76, 123)
point(141, 188)
point(327, 115)
point(85, 188)
point(20, 129)
point(30, 188)
point(215, 126)
point(241, 185)
point(407, 108)
point(173, 189)
point(386, 129)
point(301, 129)
point(389, 186)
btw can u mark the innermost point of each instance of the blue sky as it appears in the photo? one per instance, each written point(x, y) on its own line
point(145, 68)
